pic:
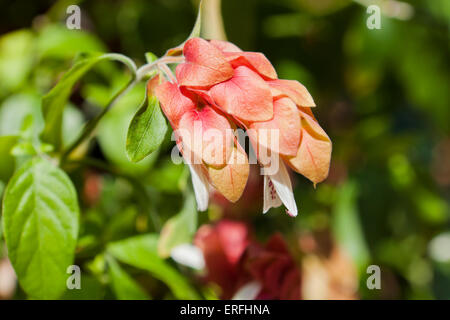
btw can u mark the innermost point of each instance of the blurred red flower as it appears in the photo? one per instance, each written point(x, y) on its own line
point(273, 266)
point(223, 246)
point(233, 259)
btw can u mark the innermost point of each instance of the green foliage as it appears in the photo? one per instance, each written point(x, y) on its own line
point(141, 252)
point(40, 220)
point(15, 109)
point(15, 59)
point(7, 162)
point(92, 289)
point(150, 57)
point(169, 177)
point(125, 288)
point(57, 42)
point(179, 229)
point(53, 103)
point(112, 133)
point(196, 30)
point(382, 96)
point(147, 130)
point(347, 227)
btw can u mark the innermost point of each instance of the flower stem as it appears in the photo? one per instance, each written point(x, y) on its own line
point(166, 70)
point(212, 22)
point(91, 125)
point(140, 74)
point(146, 68)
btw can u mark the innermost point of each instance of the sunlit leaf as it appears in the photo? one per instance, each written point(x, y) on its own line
point(91, 289)
point(53, 103)
point(195, 33)
point(15, 109)
point(141, 252)
point(179, 229)
point(7, 163)
point(168, 177)
point(150, 57)
point(56, 41)
point(123, 285)
point(16, 58)
point(198, 22)
point(347, 227)
point(147, 129)
point(40, 212)
point(112, 133)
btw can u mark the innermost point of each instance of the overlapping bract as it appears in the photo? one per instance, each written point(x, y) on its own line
point(219, 88)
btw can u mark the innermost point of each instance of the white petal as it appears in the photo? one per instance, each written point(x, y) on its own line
point(248, 292)
point(200, 183)
point(271, 199)
point(282, 184)
point(188, 255)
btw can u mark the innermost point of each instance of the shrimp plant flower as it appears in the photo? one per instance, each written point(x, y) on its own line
point(219, 88)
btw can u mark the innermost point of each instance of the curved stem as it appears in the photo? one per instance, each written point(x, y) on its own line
point(212, 22)
point(140, 74)
point(166, 70)
point(146, 68)
point(90, 126)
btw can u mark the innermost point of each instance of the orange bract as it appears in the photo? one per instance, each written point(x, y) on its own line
point(205, 65)
point(246, 96)
point(220, 87)
point(174, 104)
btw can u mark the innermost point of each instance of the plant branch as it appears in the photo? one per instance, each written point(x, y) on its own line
point(91, 125)
point(146, 68)
point(140, 74)
point(212, 22)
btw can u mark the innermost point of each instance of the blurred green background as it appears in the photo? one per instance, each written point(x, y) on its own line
point(383, 97)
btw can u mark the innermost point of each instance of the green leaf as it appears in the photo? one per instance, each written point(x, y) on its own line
point(56, 42)
point(347, 227)
point(123, 285)
point(168, 177)
point(40, 222)
point(179, 229)
point(150, 57)
point(73, 122)
point(20, 108)
point(112, 133)
point(7, 162)
point(15, 109)
point(91, 289)
point(195, 33)
point(147, 129)
point(2, 249)
point(16, 59)
point(25, 148)
point(141, 252)
point(53, 103)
